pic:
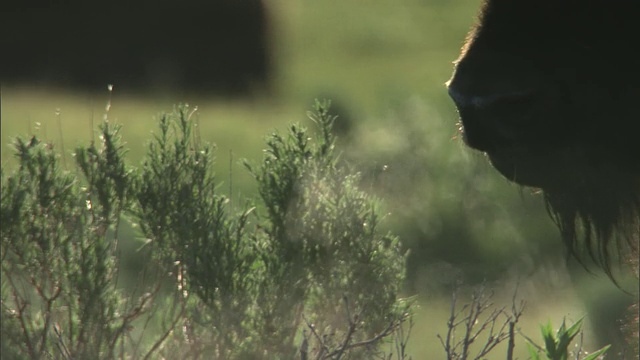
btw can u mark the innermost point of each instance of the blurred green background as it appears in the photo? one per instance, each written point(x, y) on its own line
point(384, 64)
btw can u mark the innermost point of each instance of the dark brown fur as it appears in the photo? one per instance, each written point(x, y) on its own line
point(550, 91)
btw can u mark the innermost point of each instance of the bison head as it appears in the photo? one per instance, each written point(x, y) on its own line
point(550, 91)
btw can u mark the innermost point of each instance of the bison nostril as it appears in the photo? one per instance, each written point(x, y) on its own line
point(495, 100)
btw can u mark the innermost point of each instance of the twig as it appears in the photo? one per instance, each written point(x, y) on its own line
point(323, 346)
point(353, 324)
point(384, 333)
point(469, 317)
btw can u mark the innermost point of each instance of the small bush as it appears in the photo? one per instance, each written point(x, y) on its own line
point(303, 272)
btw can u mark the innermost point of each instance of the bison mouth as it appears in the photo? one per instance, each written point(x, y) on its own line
point(542, 169)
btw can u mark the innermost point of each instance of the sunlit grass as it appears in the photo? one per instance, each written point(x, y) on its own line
point(236, 128)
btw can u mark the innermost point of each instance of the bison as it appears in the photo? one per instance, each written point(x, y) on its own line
point(550, 91)
point(220, 47)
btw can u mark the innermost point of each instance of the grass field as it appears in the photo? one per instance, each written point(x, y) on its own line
point(384, 63)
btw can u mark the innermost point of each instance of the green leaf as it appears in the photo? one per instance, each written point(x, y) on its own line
point(597, 353)
point(533, 352)
point(549, 340)
point(565, 336)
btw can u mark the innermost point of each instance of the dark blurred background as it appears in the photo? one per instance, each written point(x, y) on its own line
point(217, 46)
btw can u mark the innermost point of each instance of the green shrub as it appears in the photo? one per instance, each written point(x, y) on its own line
point(304, 272)
point(58, 257)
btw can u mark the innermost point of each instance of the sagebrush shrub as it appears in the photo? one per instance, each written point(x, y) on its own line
point(304, 271)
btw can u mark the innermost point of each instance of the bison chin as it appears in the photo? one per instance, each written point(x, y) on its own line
point(595, 203)
point(540, 169)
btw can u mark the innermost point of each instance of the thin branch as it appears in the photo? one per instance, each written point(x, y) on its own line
point(321, 343)
point(384, 333)
point(47, 315)
point(353, 324)
point(168, 332)
point(21, 305)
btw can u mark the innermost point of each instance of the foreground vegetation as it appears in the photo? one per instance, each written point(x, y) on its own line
point(305, 272)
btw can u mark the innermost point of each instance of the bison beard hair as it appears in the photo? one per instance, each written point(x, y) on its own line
point(596, 215)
